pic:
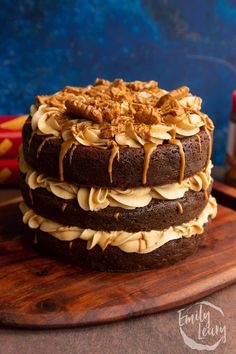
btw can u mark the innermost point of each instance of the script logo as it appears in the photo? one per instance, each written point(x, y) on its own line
point(201, 326)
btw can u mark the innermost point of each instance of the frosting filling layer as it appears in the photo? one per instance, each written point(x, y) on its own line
point(139, 242)
point(95, 199)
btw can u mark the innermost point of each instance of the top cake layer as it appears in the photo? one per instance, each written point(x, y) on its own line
point(123, 113)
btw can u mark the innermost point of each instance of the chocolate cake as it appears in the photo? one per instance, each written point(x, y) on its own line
point(116, 176)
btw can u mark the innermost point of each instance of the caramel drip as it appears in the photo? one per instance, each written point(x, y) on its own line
point(173, 132)
point(72, 152)
point(148, 150)
point(180, 208)
point(31, 196)
point(43, 143)
point(199, 142)
point(143, 238)
point(116, 215)
point(65, 147)
point(31, 138)
point(70, 245)
point(182, 157)
point(115, 152)
point(206, 196)
point(64, 205)
point(146, 241)
point(140, 245)
point(35, 239)
point(209, 147)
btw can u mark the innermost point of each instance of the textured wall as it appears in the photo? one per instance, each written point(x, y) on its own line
point(47, 44)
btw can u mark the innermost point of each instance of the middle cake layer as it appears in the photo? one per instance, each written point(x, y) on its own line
point(157, 215)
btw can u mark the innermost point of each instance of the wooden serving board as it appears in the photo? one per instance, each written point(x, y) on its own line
point(39, 292)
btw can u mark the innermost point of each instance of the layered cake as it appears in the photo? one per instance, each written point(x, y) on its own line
point(116, 176)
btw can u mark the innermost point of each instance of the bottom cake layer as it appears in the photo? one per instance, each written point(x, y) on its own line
point(117, 250)
point(112, 259)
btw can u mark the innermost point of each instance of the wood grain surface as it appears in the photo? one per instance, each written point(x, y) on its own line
point(37, 292)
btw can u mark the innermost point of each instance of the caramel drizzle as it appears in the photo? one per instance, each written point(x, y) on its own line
point(209, 146)
point(115, 153)
point(43, 143)
point(180, 208)
point(173, 132)
point(116, 215)
point(70, 245)
point(72, 152)
point(206, 196)
point(30, 140)
point(199, 142)
point(182, 157)
point(148, 150)
point(143, 238)
point(31, 196)
point(35, 239)
point(65, 147)
point(64, 205)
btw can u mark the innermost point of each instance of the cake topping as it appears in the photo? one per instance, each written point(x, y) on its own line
point(129, 113)
point(79, 107)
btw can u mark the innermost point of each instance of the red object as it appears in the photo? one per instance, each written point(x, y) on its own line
point(9, 143)
point(6, 118)
point(10, 140)
point(9, 172)
point(10, 135)
point(234, 101)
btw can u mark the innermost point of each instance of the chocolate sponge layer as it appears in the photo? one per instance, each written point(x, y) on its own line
point(157, 215)
point(112, 258)
point(89, 165)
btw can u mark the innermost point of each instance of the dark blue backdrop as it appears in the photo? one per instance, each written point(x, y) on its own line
point(45, 45)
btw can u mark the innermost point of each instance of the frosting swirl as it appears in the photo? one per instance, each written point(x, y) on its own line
point(95, 199)
point(139, 242)
point(88, 134)
point(46, 119)
point(135, 138)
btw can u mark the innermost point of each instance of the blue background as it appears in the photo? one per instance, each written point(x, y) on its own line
point(45, 45)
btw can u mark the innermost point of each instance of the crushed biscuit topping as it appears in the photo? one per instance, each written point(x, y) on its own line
point(119, 106)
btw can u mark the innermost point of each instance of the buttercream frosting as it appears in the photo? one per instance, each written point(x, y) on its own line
point(46, 119)
point(131, 114)
point(87, 133)
point(139, 242)
point(95, 199)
